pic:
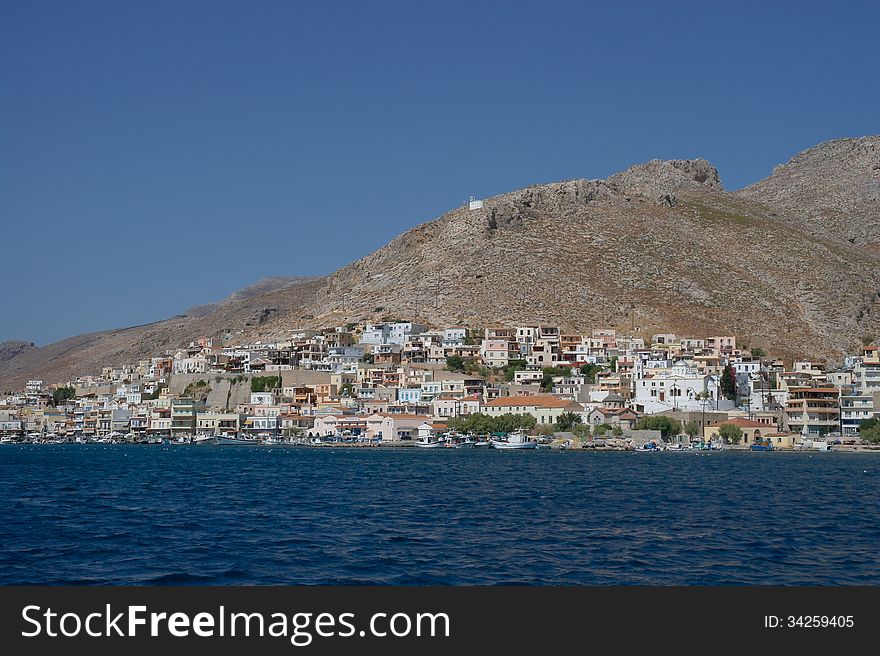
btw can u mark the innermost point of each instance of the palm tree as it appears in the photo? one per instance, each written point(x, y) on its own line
point(567, 420)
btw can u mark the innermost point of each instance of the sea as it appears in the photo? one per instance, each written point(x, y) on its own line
point(153, 515)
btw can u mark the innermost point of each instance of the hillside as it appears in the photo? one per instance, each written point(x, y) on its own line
point(660, 246)
point(832, 190)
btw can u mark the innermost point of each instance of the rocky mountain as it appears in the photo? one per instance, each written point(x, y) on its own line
point(831, 190)
point(658, 247)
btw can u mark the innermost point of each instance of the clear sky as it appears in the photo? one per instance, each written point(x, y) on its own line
point(158, 155)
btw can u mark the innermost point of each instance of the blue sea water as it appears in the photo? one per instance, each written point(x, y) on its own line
point(102, 514)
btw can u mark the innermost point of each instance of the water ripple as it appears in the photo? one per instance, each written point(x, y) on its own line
point(97, 515)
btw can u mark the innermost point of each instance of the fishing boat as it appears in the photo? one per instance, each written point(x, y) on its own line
point(516, 440)
point(761, 446)
point(204, 440)
point(223, 440)
point(428, 443)
point(649, 447)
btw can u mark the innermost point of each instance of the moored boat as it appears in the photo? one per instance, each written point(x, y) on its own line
point(428, 443)
point(517, 440)
point(223, 440)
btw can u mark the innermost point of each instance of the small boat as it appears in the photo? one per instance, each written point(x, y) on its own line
point(517, 440)
point(428, 443)
point(761, 447)
point(6, 440)
point(204, 440)
point(223, 440)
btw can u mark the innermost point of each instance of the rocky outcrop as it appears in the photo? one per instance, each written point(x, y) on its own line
point(12, 348)
point(661, 181)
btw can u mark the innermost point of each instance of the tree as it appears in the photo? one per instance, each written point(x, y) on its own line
point(265, 383)
point(581, 431)
point(730, 433)
point(873, 422)
point(549, 374)
point(368, 358)
point(666, 425)
point(479, 422)
point(455, 363)
point(590, 370)
point(870, 435)
point(63, 394)
point(758, 352)
point(512, 367)
point(728, 383)
point(617, 431)
point(567, 420)
point(691, 429)
point(601, 429)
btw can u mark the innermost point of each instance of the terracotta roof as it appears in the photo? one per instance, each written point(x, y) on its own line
point(539, 401)
point(741, 422)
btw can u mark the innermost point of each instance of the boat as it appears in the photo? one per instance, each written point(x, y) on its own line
point(428, 443)
point(223, 440)
point(649, 447)
point(204, 440)
point(6, 440)
point(516, 440)
point(761, 447)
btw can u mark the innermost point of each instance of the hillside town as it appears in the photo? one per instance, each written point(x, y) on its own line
point(400, 383)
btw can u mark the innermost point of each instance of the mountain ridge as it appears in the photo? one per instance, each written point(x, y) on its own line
point(660, 246)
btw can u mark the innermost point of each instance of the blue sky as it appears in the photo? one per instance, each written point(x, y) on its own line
point(158, 155)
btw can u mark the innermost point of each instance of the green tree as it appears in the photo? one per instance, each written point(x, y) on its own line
point(590, 370)
point(512, 367)
point(581, 431)
point(479, 422)
point(728, 383)
point(455, 363)
point(265, 383)
point(870, 435)
point(600, 429)
point(368, 358)
point(758, 352)
point(691, 429)
point(617, 431)
point(730, 433)
point(666, 425)
point(549, 374)
point(873, 422)
point(62, 394)
point(567, 420)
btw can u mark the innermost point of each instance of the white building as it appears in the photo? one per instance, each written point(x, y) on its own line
point(660, 393)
